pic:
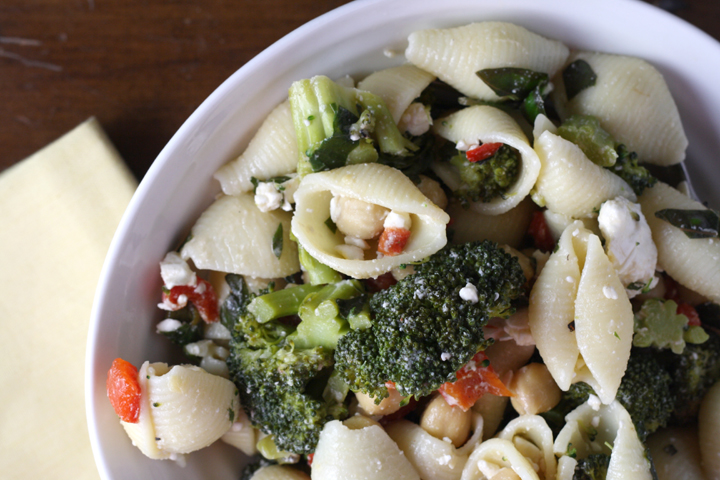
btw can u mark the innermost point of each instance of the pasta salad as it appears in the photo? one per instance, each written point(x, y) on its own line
point(463, 267)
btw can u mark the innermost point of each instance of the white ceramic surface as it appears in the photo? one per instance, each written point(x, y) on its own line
point(349, 40)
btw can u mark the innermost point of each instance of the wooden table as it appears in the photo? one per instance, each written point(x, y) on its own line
point(142, 66)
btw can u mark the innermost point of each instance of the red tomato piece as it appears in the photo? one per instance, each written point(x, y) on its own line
point(671, 289)
point(540, 233)
point(123, 390)
point(310, 458)
point(393, 240)
point(202, 295)
point(482, 152)
point(690, 312)
point(474, 379)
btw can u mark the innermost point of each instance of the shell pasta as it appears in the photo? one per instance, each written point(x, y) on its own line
point(459, 269)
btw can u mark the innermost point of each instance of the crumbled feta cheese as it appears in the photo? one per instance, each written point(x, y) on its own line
point(610, 292)
point(397, 220)
point(350, 252)
point(416, 119)
point(462, 146)
point(628, 242)
point(469, 293)
point(175, 271)
point(444, 459)
point(594, 402)
point(445, 356)
point(168, 325)
point(358, 242)
point(267, 197)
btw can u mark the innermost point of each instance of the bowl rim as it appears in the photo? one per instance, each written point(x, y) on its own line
point(245, 73)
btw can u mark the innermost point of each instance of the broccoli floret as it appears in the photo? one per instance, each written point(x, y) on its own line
point(487, 179)
point(332, 121)
point(593, 467)
point(600, 147)
point(317, 273)
point(423, 331)
point(693, 373)
point(627, 168)
point(281, 386)
point(645, 392)
point(597, 144)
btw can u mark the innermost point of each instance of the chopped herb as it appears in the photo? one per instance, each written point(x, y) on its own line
point(607, 444)
point(616, 335)
point(156, 404)
point(331, 225)
point(578, 76)
point(571, 451)
point(311, 118)
point(231, 414)
point(485, 363)
point(694, 223)
point(277, 241)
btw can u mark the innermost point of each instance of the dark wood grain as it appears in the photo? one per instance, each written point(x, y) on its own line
point(142, 66)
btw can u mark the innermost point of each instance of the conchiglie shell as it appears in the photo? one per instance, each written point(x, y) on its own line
point(397, 86)
point(616, 436)
point(489, 125)
point(272, 152)
point(142, 433)
point(534, 428)
point(279, 472)
point(456, 54)
point(569, 183)
point(242, 435)
point(363, 454)
point(634, 105)
point(372, 183)
point(507, 228)
point(431, 457)
point(676, 454)
point(233, 236)
point(708, 429)
point(604, 322)
point(552, 309)
point(191, 408)
point(493, 455)
point(695, 263)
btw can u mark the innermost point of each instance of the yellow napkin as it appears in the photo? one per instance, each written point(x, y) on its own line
point(58, 211)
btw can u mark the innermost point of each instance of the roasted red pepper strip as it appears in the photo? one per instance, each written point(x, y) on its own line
point(202, 296)
point(123, 390)
point(482, 152)
point(473, 381)
point(540, 233)
point(393, 240)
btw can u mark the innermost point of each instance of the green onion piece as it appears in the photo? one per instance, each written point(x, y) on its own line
point(277, 241)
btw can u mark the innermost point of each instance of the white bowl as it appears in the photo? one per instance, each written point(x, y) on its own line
point(349, 40)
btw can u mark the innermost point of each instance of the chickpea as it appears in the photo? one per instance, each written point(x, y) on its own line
point(388, 405)
point(358, 422)
point(446, 421)
point(357, 218)
point(432, 190)
point(535, 390)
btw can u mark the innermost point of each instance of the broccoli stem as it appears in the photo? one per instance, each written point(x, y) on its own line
point(322, 325)
point(280, 303)
point(317, 273)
